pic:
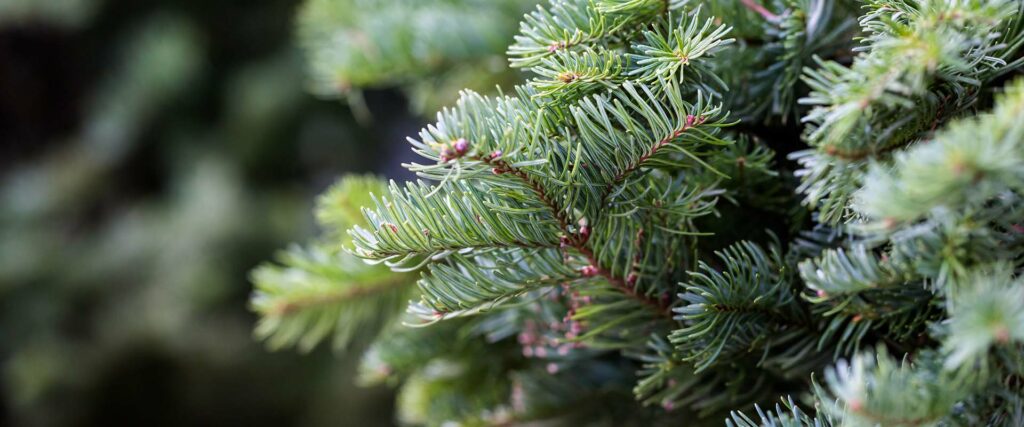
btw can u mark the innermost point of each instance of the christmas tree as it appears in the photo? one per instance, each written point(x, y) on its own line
point(783, 213)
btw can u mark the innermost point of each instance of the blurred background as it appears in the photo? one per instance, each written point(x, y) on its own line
point(152, 152)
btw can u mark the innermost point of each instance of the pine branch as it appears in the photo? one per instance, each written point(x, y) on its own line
point(314, 294)
point(747, 307)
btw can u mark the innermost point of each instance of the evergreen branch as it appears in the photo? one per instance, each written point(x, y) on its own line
point(353, 44)
point(655, 305)
point(838, 272)
point(962, 167)
point(315, 293)
point(295, 304)
point(577, 240)
point(565, 24)
point(570, 75)
point(749, 305)
point(501, 167)
point(670, 384)
point(412, 224)
point(879, 390)
point(907, 58)
point(469, 285)
point(863, 294)
point(666, 132)
point(669, 51)
point(986, 314)
point(631, 168)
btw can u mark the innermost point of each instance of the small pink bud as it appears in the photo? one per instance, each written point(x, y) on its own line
point(631, 280)
point(1002, 334)
point(585, 232)
point(822, 294)
point(668, 405)
point(564, 349)
point(497, 171)
point(461, 146)
point(690, 120)
point(856, 405)
point(527, 351)
point(589, 271)
point(552, 368)
point(393, 227)
point(540, 352)
point(564, 242)
point(496, 154)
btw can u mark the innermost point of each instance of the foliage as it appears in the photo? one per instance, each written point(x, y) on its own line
point(432, 48)
point(592, 213)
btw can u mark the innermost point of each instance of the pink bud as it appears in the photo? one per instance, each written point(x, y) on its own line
point(497, 171)
point(589, 271)
point(461, 146)
point(822, 294)
point(585, 232)
point(690, 120)
point(631, 280)
point(496, 154)
point(552, 368)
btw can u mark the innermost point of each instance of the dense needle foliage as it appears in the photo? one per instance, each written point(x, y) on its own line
point(782, 212)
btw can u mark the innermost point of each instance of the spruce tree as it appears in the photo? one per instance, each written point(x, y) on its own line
point(756, 212)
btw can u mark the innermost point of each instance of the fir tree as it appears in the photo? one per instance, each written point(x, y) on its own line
point(621, 238)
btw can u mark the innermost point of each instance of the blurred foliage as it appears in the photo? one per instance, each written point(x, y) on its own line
point(69, 13)
point(149, 156)
point(431, 49)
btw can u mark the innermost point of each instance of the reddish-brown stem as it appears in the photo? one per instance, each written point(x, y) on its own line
point(618, 283)
point(623, 174)
point(501, 166)
point(575, 240)
point(761, 10)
